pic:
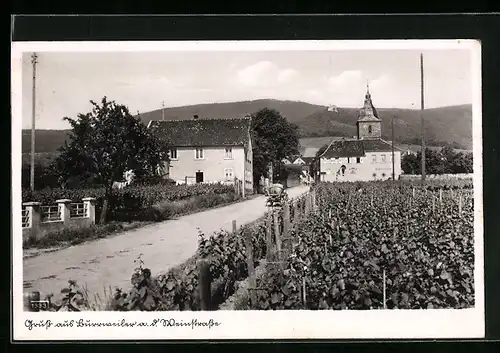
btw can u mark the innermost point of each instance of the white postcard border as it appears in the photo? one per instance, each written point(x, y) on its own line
point(351, 324)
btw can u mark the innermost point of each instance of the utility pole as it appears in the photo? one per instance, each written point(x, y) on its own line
point(392, 147)
point(34, 61)
point(162, 110)
point(422, 115)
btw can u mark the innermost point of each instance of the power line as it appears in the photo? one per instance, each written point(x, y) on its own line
point(34, 61)
point(422, 116)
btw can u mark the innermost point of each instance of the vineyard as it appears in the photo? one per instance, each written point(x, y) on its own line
point(342, 246)
point(379, 247)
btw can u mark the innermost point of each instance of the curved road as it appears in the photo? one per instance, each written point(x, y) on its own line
point(110, 262)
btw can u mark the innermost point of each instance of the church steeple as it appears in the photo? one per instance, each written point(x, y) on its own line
point(369, 123)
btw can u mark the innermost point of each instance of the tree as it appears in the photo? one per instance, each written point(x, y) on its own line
point(462, 163)
point(106, 142)
point(410, 164)
point(274, 138)
point(444, 161)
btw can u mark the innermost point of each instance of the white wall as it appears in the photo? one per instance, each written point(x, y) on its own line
point(372, 163)
point(212, 165)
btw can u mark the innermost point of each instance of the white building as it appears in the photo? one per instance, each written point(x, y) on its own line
point(368, 157)
point(208, 150)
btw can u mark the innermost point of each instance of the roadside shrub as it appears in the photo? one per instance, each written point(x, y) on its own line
point(134, 202)
point(168, 209)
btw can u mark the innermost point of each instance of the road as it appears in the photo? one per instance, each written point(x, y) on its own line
point(110, 262)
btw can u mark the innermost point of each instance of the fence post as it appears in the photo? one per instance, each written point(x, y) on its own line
point(296, 210)
point(204, 284)
point(33, 209)
point(89, 203)
point(277, 234)
point(460, 203)
point(64, 205)
point(234, 226)
point(286, 225)
point(32, 297)
point(304, 296)
point(250, 265)
point(384, 290)
point(440, 197)
point(269, 237)
point(308, 204)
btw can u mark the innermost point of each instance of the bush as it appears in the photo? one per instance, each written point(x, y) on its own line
point(134, 202)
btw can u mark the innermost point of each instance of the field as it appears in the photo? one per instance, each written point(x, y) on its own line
point(383, 247)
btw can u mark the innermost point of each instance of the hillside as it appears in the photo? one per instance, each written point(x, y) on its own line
point(448, 125)
point(46, 141)
point(293, 111)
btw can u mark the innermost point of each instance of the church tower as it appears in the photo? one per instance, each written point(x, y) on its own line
point(369, 125)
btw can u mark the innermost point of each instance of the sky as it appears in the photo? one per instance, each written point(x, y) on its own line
point(66, 82)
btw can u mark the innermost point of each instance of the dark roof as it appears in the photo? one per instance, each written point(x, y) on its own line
point(204, 132)
point(378, 145)
point(344, 148)
point(368, 112)
point(308, 160)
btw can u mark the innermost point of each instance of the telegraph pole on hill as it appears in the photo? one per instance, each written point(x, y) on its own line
point(162, 110)
point(392, 147)
point(34, 61)
point(422, 115)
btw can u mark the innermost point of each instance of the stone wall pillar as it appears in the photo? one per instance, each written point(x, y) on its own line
point(89, 203)
point(64, 206)
point(33, 209)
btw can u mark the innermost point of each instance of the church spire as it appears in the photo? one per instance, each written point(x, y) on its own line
point(368, 112)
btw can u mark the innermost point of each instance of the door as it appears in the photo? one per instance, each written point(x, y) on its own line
point(199, 177)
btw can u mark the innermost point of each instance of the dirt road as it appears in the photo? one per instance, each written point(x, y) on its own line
point(110, 261)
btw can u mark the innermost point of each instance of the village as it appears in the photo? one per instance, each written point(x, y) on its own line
point(156, 212)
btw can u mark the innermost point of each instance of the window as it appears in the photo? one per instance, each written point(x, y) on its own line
point(384, 159)
point(199, 153)
point(229, 153)
point(358, 160)
point(172, 153)
point(369, 129)
point(228, 173)
point(374, 158)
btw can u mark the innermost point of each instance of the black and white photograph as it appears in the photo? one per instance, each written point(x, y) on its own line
point(206, 185)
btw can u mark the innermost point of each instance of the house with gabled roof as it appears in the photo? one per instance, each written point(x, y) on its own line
point(367, 157)
point(208, 150)
point(299, 161)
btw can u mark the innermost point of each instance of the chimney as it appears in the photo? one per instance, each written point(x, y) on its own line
point(195, 116)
